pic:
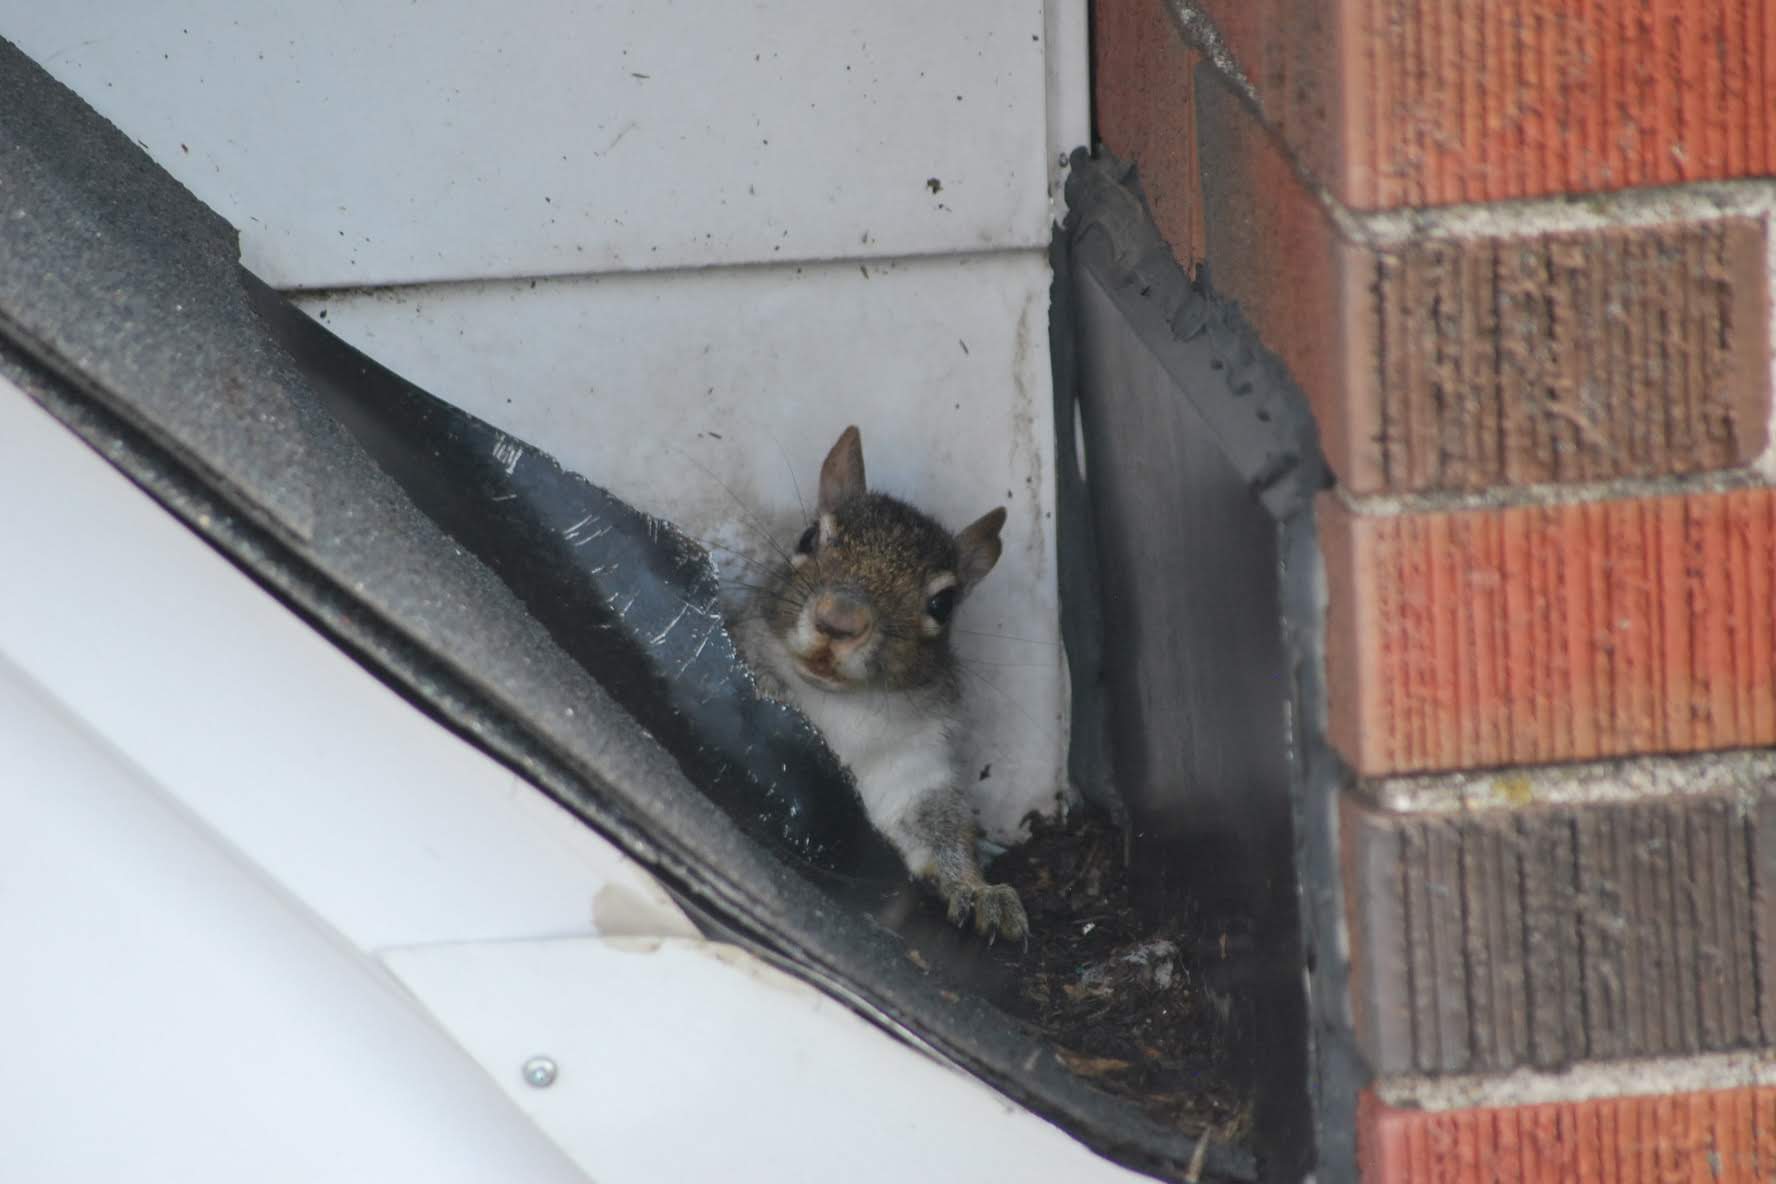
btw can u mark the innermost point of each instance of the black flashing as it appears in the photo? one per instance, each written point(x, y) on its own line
point(1237, 802)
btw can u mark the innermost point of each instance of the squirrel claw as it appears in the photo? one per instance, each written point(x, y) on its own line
point(999, 913)
point(960, 903)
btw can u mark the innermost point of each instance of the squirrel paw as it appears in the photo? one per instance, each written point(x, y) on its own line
point(997, 911)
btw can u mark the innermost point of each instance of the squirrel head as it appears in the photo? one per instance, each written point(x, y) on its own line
point(866, 598)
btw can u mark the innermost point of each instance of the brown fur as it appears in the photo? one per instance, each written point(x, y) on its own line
point(886, 552)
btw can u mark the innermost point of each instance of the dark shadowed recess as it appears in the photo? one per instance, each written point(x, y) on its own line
point(1205, 693)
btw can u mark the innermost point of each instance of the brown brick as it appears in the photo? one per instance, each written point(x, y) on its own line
point(1725, 1136)
point(1463, 363)
point(1145, 112)
point(1427, 102)
point(1544, 935)
point(1563, 357)
point(1461, 639)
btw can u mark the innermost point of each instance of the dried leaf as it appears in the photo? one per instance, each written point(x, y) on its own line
point(1079, 992)
point(1090, 1066)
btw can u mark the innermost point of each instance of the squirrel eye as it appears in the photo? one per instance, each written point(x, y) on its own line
point(805, 544)
point(941, 604)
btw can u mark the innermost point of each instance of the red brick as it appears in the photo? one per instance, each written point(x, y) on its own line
point(1427, 102)
point(1145, 112)
point(1464, 363)
point(1714, 1137)
point(1289, 50)
point(1272, 248)
point(1562, 632)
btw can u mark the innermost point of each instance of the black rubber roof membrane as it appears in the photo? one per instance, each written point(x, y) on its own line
point(564, 632)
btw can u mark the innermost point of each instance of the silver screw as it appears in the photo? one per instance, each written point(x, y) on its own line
point(539, 1072)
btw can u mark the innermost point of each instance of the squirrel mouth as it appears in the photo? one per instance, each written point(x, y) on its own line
point(820, 671)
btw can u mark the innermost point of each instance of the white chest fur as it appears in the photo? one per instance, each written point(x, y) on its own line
point(898, 746)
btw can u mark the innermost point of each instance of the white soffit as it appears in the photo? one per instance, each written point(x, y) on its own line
point(360, 144)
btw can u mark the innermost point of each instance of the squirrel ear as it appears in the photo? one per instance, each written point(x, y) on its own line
point(841, 477)
point(980, 547)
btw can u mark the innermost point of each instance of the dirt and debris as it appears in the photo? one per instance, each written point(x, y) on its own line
point(1150, 1011)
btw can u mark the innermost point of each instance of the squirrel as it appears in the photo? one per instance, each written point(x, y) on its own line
point(853, 628)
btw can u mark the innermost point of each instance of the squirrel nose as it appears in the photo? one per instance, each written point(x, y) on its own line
point(842, 617)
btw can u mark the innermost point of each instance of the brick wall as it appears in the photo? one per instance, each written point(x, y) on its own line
point(1516, 255)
